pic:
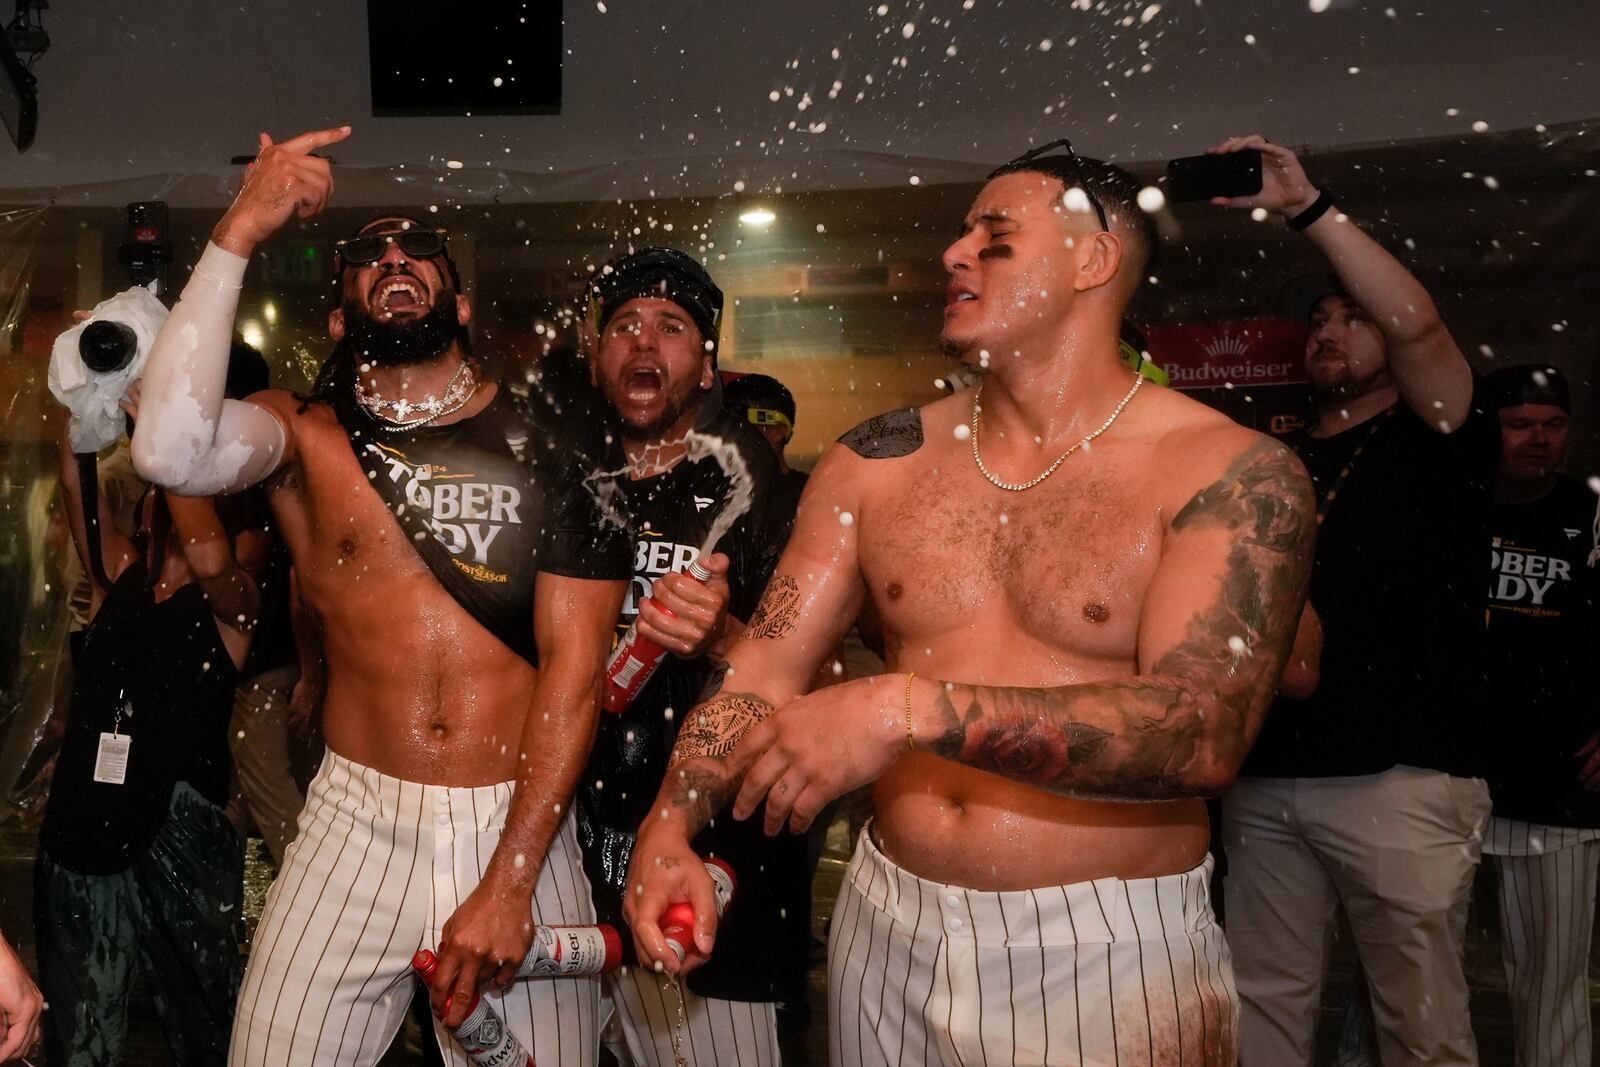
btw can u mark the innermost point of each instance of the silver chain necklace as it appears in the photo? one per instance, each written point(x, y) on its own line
point(1017, 487)
point(461, 387)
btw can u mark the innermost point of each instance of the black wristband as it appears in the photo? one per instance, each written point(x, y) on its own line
point(1319, 207)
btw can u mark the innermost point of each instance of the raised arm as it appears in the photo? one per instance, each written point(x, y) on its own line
point(189, 438)
point(491, 931)
point(1434, 378)
point(809, 604)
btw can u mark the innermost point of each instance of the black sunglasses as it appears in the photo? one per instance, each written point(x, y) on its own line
point(370, 247)
point(1076, 161)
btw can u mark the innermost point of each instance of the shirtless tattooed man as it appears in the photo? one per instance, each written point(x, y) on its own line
point(1088, 592)
point(466, 580)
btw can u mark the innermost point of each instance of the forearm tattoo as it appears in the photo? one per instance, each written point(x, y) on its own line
point(775, 616)
point(701, 781)
point(1183, 727)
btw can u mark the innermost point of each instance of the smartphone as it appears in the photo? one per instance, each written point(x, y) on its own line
point(1203, 177)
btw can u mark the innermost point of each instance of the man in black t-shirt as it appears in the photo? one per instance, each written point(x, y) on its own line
point(656, 313)
point(766, 404)
point(1544, 626)
point(1364, 795)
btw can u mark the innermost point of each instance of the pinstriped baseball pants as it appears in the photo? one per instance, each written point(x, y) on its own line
point(378, 866)
point(1129, 973)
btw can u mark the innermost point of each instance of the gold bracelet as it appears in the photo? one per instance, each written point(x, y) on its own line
point(911, 739)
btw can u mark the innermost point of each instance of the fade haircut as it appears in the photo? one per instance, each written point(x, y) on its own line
point(1114, 189)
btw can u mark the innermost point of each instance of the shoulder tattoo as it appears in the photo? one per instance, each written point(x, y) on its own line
point(888, 436)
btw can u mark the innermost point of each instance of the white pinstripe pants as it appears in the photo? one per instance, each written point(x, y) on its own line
point(1547, 894)
point(716, 1033)
point(377, 868)
point(1128, 973)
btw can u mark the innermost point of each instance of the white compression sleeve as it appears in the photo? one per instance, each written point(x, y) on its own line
point(188, 438)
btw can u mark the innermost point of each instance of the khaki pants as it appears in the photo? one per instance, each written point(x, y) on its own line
point(1397, 851)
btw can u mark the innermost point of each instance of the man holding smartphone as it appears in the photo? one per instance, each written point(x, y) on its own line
point(1365, 794)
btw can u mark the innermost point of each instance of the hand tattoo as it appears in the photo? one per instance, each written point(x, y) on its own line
point(1182, 728)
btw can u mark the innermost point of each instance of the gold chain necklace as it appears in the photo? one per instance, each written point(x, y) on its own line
point(1017, 487)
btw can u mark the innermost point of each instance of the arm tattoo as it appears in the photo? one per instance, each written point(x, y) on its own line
point(1183, 727)
point(700, 782)
point(775, 616)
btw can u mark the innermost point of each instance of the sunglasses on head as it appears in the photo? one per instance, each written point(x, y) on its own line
point(370, 247)
point(1033, 155)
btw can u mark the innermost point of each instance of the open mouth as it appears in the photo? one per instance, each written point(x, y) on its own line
point(956, 296)
point(398, 293)
point(643, 384)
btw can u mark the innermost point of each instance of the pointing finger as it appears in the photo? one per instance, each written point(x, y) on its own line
point(307, 143)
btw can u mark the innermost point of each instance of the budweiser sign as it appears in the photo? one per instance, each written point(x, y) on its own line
point(1214, 355)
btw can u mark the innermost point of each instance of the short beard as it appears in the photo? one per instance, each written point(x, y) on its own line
point(401, 344)
point(1349, 389)
point(653, 430)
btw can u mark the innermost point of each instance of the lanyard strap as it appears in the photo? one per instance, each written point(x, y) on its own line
point(1325, 505)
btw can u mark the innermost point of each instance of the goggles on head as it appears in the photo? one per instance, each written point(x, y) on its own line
point(767, 417)
point(368, 248)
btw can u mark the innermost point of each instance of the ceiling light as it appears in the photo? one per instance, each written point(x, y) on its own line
point(758, 216)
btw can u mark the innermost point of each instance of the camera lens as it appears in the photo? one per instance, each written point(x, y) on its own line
point(107, 346)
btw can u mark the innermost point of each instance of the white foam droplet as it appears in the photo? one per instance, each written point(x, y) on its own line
point(1151, 199)
point(1237, 646)
point(1046, 44)
point(915, 180)
point(962, 431)
point(1480, 127)
point(1149, 13)
point(1249, 38)
point(1594, 484)
point(454, 164)
point(1259, 214)
point(846, 519)
point(1077, 200)
point(1319, 6)
point(908, 29)
point(498, 82)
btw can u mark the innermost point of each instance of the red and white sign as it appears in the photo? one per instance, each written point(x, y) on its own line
point(1214, 355)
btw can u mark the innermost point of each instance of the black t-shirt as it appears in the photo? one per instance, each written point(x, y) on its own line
point(1544, 632)
point(158, 674)
point(672, 514)
point(525, 486)
point(1398, 584)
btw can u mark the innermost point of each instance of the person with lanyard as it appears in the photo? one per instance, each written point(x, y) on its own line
point(656, 313)
point(139, 869)
point(1544, 628)
point(1366, 793)
point(454, 544)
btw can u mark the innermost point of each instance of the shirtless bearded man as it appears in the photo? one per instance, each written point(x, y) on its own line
point(1067, 635)
point(457, 722)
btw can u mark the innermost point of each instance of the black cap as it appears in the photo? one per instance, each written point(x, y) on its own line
point(1533, 383)
point(662, 273)
point(1300, 296)
point(755, 398)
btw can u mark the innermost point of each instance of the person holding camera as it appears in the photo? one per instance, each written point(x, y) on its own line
point(453, 542)
point(138, 865)
point(1366, 793)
